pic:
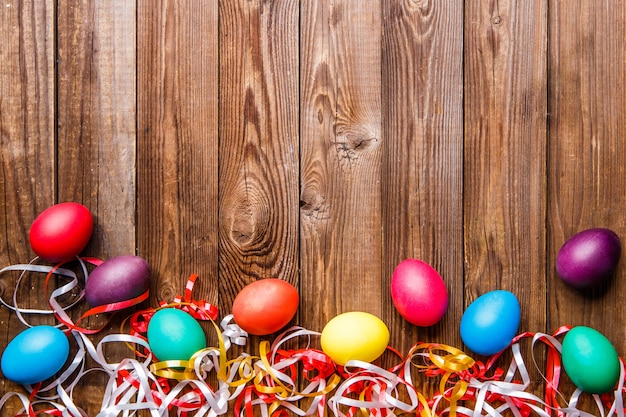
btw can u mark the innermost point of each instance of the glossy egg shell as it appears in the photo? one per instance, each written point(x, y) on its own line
point(35, 355)
point(589, 257)
point(590, 360)
point(354, 335)
point(174, 335)
point(117, 279)
point(265, 306)
point(418, 292)
point(490, 323)
point(61, 232)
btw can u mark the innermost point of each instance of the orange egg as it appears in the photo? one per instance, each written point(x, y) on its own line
point(265, 306)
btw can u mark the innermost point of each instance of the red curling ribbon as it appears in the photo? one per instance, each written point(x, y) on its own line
point(199, 309)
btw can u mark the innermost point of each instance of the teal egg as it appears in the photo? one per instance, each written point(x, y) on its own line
point(35, 355)
point(174, 335)
point(590, 360)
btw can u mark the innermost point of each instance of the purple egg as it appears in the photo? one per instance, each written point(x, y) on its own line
point(589, 257)
point(118, 279)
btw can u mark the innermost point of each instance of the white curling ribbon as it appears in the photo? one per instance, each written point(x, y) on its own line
point(206, 361)
point(44, 269)
point(128, 398)
point(387, 397)
point(232, 333)
point(202, 403)
point(27, 404)
point(71, 408)
point(292, 333)
point(617, 408)
point(508, 389)
point(123, 397)
point(315, 386)
point(121, 338)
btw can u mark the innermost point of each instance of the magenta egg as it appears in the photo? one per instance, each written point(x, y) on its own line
point(589, 257)
point(120, 278)
point(419, 293)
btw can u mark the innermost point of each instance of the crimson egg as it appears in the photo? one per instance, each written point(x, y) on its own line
point(117, 279)
point(61, 232)
point(265, 306)
point(418, 292)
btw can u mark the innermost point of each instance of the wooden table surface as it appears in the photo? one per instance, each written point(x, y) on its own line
point(320, 142)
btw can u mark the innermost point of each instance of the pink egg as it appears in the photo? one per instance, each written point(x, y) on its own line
point(120, 278)
point(418, 293)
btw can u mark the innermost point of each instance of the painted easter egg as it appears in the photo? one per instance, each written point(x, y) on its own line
point(418, 292)
point(35, 355)
point(174, 335)
point(265, 306)
point(589, 257)
point(490, 323)
point(117, 279)
point(354, 336)
point(61, 232)
point(590, 360)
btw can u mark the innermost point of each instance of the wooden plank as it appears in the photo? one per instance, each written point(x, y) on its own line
point(423, 157)
point(96, 140)
point(587, 106)
point(27, 153)
point(96, 118)
point(258, 150)
point(505, 154)
point(177, 131)
point(341, 146)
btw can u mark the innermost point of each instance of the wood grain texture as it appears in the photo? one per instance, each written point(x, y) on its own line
point(505, 153)
point(27, 153)
point(423, 155)
point(506, 156)
point(96, 118)
point(587, 105)
point(97, 140)
point(258, 152)
point(177, 145)
point(341, 160)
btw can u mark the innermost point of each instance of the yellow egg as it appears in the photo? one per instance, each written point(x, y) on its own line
point(354, 335)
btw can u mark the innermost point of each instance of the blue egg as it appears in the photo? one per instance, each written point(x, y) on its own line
point(35, 355)
point(490, 323)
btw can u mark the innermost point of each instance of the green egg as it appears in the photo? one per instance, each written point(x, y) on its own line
point(175, 335)
point(590, 360)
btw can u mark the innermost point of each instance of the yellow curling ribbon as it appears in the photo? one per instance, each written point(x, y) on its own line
point(451, 363)
point(173, 369)
point(225, 365)
point(285, 391)
point(426, 412)
point(281, 390)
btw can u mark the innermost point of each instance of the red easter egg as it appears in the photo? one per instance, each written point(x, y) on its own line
point(418, 293)
point(265, 306)
point(61, 232)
